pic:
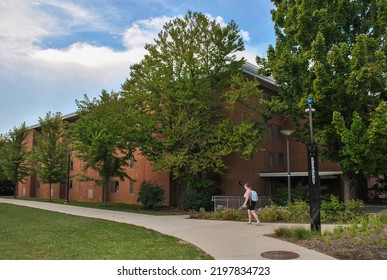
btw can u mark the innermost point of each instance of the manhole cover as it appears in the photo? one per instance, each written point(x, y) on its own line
point(280, 255)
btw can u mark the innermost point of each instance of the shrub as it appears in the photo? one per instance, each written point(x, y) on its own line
point(331, 210)
point(151, 195)
point(274, 213)
point(299, 192)
point(297, 232)
point(228, 214)
point(194, 200)
point(299, 211)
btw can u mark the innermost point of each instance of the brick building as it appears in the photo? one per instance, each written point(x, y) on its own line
point(266, 171)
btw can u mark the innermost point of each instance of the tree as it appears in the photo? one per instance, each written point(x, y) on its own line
point(333, 51)
point(14, 156)
point(182, 93)
point(102, 138)
point(48, 157)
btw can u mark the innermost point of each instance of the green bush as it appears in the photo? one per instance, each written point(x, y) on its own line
point(336, 211)
point(299, 192)
point(228, 214)
point(194, 200)
point(151, 195)
point(297, 232)
point(331, 210)
point(299, 211)
point(222, 213)
point(274, 213)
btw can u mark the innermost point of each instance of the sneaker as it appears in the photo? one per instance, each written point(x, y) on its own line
point(249, 223)
point(258, 223)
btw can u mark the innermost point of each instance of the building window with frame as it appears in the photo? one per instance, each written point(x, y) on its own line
point(274, 159)
point(131, 186)
point(115, 186)
point(132, 162)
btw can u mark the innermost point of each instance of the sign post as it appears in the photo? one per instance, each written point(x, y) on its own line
point(313, 175)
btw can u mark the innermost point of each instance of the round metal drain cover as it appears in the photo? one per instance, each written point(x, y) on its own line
point(280, 255)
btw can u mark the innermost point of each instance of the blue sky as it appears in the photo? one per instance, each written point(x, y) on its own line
point(53, 52)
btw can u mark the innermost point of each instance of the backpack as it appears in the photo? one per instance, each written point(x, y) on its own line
point(254, 195)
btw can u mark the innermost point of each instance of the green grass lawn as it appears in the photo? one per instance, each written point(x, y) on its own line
point(34, 234)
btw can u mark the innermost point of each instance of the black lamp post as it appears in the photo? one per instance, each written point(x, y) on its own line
point(313, 176)
point(67, 201)
point(288, 133)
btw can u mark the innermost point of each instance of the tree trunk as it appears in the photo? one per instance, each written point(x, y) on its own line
point(105, 188)
point(349, 188)
point(49, 192)
point(355, 186)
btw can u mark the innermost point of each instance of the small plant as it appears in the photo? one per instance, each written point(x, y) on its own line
point(330, 210)
point(298, 232)
point(299, 211)
point(151, 195)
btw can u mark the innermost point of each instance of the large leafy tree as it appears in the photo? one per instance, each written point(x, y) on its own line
point(335, 52)
point(48, 156)
point(101, 138)
point(14, 156)
point(182, 93)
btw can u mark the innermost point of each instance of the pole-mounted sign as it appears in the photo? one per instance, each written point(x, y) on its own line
point(313, 175)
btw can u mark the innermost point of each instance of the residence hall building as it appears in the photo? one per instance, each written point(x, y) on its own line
point(266, 171)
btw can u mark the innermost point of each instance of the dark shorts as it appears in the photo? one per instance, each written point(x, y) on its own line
point(251, 205)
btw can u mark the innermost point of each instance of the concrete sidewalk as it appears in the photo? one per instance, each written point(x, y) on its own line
point(224, 240)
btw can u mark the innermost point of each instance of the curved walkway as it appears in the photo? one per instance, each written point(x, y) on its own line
point(224, 240)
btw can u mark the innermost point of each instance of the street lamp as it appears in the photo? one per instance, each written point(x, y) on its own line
point(313, 176)
point(67, 201)
point(288, 133)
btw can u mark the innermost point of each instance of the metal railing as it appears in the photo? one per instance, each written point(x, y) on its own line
point(235, 202)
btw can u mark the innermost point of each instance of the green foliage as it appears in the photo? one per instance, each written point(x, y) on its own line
point(298, 232)
point(14, 155)
point(221, 213)
point(48, 157)
point(228, 214)
point(103, 138)
point(336, 211)
point(331, 209)
point(274, 213)
point(180, 93)
point(150, 195)
point(299, 192)
point(334, 52)
point(194, 200)
point(299, 211)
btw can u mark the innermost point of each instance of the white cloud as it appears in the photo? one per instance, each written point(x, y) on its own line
point(83, 54)
point(143, 31)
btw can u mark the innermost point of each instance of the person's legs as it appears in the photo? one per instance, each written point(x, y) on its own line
point(255, 216)
point(249, 215)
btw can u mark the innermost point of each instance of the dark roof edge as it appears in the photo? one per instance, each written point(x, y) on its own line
point(252, 70)
point(64, 117)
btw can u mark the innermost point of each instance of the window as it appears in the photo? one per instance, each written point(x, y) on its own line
point(132, 161)
point(272, 131)
point(114, 186)
point(274, 159)
point(70, 184)
point(71, 165)
point(275, 131)
point(131, 186)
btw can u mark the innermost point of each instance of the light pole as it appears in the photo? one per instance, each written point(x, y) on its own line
point(288, 133)
point(313, 176)
point(67, 201)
